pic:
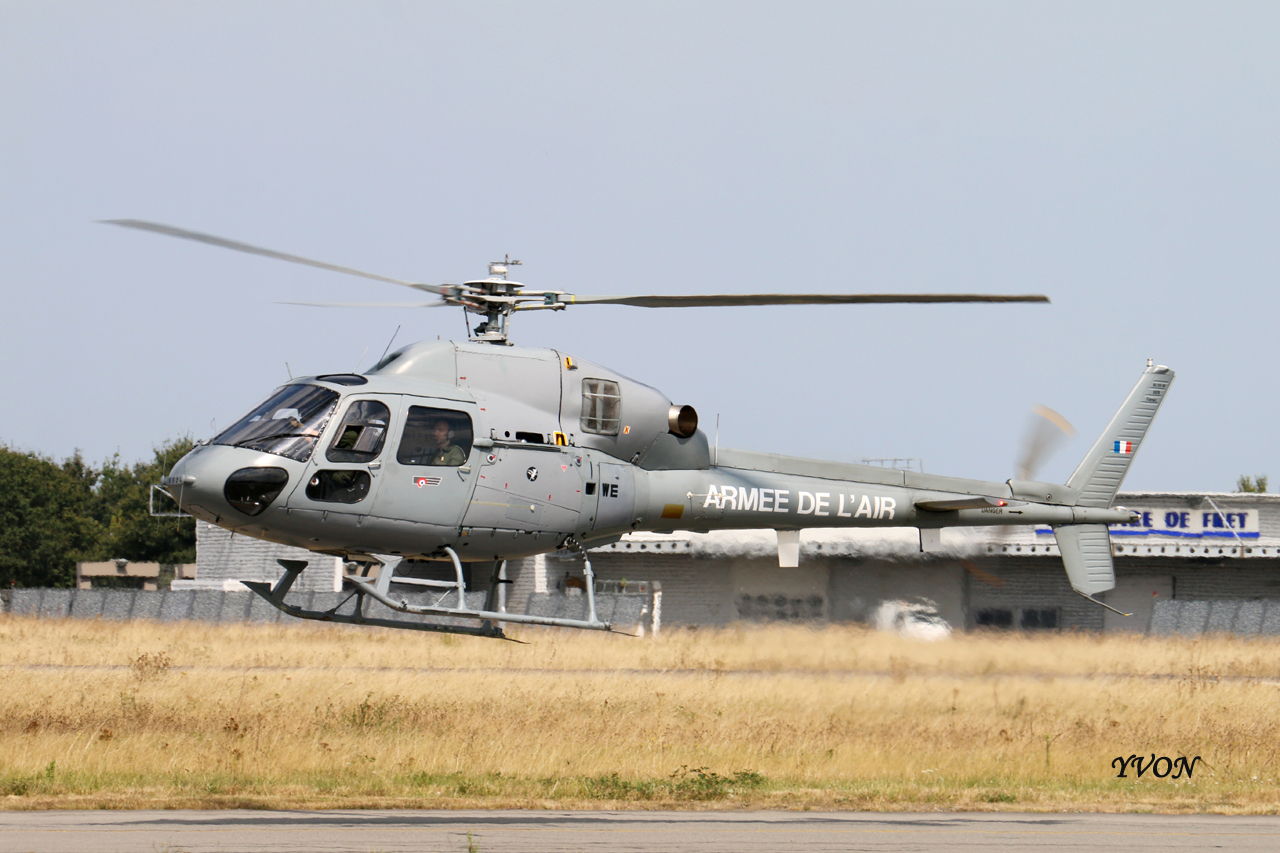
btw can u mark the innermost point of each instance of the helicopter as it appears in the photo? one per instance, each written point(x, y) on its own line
point(479, 452)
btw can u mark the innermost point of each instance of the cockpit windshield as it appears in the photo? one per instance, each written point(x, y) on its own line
point(287, 424)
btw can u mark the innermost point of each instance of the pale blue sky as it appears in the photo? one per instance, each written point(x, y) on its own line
point(1119, 157)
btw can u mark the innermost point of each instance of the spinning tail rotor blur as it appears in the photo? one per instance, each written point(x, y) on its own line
point(1046, 432)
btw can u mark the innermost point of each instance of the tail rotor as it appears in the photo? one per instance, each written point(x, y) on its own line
point(1046, 432)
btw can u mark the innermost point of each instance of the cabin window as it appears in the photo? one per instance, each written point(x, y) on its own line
point(435, 437)
point(361, 433)
point(601, 406)
point(286, 424)
point(341, 487)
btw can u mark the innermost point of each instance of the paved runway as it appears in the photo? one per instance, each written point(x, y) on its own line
point(555, 832)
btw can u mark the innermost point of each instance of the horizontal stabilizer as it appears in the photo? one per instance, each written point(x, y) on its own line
point(959, 503)
point(1086, 554)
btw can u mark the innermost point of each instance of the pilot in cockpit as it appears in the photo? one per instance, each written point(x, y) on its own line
point(445, 452)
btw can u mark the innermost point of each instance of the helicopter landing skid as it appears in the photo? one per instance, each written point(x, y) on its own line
point(380, 592)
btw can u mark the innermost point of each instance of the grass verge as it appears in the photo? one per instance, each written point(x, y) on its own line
point(145, 715)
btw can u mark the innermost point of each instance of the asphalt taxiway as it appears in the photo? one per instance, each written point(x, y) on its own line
point(619, 832)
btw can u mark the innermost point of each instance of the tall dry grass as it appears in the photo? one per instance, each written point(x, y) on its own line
point(742, 648)
point(145, 714)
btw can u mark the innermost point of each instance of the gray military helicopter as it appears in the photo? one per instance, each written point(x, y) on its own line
point(479, 452)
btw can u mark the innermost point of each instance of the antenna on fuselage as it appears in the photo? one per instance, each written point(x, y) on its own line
point(389, 343)
point(715, 459)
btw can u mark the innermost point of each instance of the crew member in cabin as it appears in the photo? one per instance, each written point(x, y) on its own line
point(445, 452)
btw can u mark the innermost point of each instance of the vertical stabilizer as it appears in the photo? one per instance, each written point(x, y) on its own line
point(1100, 474)
point(1086, 548)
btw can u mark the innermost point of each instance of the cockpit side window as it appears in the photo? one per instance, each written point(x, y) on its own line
point(601, 406)
point(286, 424)
point(361, 434)
point(435, 437)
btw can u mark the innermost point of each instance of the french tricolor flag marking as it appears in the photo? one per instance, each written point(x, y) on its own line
point(1124, 448)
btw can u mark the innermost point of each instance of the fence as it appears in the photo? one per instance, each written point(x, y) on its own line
point(625, 611)
point(1190, 618)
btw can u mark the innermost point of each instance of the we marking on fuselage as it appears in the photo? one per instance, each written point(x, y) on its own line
point(742, 499)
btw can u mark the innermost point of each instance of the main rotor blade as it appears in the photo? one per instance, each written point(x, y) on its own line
point(440, 304)
point(258, 250)
point(725, 299)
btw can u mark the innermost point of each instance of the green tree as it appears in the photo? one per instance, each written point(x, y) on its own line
point(1251, 484)
point(53, 515)
point(47, 518)
point(128, 530)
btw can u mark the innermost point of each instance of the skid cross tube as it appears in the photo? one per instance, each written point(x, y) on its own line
point(389, 563)
point(462, 583)
point(361, 588)
point(292, 568)
point(517, 618)
point(590, 577)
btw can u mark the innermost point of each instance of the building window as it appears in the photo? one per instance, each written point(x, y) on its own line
point(781, 607)
point(1024, 618)
point(1043, 619)
point(994, 617)
point(601, 406)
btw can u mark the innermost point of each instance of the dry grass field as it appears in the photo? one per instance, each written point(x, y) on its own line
point(98, 714)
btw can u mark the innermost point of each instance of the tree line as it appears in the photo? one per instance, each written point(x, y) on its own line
point(53, 514)
point(1252, 484)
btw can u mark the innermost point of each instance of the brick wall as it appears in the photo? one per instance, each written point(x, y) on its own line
point(1029, 583)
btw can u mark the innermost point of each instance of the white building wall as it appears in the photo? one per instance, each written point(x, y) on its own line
point(223, 557)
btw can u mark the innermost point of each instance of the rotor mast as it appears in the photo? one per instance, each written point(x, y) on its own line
point(496, 298)
point(492, 306)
